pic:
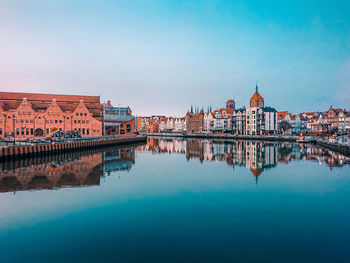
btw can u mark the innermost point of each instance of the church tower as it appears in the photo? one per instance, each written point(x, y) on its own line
point(256, 100)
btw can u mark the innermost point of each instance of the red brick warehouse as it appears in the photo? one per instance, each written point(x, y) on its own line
point(25, 115)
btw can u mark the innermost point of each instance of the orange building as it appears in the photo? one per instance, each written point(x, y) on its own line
point(26, 115)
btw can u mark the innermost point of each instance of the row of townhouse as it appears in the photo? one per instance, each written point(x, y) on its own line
point(333, 120)
point(255, 120)
point(156, 124)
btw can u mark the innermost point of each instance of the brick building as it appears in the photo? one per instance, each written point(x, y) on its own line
point(256, 100)
point(25, 115)
point(230, 104)
point(194, 122)
point(118, 121)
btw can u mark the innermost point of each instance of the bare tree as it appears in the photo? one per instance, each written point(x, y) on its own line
point(284, 126)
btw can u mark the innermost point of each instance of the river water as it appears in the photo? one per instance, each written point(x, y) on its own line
point(176, 200)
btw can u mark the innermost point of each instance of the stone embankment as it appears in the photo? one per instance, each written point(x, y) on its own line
point(229, 136)
point(58, 147)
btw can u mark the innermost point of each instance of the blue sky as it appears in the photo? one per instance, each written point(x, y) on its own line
point(159, 57)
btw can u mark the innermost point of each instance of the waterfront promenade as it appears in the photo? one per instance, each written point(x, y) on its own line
point(56, 147)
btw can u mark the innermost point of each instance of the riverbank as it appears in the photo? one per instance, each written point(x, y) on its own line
point(58, 147)
point(228, 136)
point(268, 138)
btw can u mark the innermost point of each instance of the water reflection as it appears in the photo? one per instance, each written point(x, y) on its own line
point(75, 169)
point(254, 155)
point(79, 169)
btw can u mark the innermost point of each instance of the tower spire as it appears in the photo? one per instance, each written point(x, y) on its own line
point(256, 88)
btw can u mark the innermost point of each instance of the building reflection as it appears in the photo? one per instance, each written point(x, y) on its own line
point(257, 156)
point(75, 169)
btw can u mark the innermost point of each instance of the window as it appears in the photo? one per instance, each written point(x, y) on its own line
point(60, 121)
point(22, 120)
point(77, 114)
point(83, 121)
point(19, 112)
point(32, 131)
point(51, 121)
point(87, 131)
point(17, 131)
point(0, 119)
point(47, 131)
point(79, 121)
point(85, 114)
point(87, 121)
point(27, 121)
point(24, 112)
point(81, 114)
point(9, 117)
point(31, 120)
point(84, 131)
point(75, 121)
point(56, 121)
point(67, 118)
point(128, 128)
point(22, 131)
point(29, 112)
point(0, 131)
point(27, 131)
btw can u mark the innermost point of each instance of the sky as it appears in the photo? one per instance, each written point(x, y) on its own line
point(161, 57)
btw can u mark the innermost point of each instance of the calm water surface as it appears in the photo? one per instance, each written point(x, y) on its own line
point(178, 201)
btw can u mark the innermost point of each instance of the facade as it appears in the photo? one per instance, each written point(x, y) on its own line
point(321, 127)
point(152, 125)
point(29, 115)
point(180, 124)
point(230, 104)
point(347, 122)
point(118, 121)
point(163, 124)
point(260, 120)
point(218, 121)
point(194, 122)
point(239, 121)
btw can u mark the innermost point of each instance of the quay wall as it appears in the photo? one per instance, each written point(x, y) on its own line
point(228, 136)
point(334, 147)
point(44, 149)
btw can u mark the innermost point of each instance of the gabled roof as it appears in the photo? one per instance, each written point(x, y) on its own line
point(228, 111)
point(47, 97)
point(282, 114)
